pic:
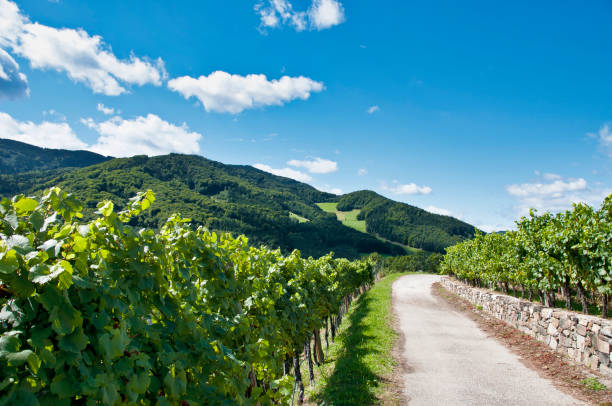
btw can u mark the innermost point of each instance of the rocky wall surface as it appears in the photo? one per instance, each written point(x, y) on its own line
point(584, 339)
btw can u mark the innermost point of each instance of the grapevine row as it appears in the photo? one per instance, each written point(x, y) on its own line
point(100, 312)
point(569, 253)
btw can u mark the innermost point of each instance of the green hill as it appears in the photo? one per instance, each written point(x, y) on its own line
point(17, 157)
point(238, 199)
point(270, 210)
point(404, 223)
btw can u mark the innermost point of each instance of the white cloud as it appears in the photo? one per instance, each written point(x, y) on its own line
point(13, 83)
point(317, 165)
point(84, 58)
point(105, 110)
point(489, 228)
point(556, 195)
point(373, 109)
point(604, 136)
point(329, 189)
point(362, 172)
point(55, 114)
point(320, 15)
point(551, 176)
point(406, 189)
point(285, 172)
point(555, 189)
point(280, 10)
point(148, 135)
point(226, 93)
point(46, 134)
point(326, 13)
point(11, 23)
point(438, 210)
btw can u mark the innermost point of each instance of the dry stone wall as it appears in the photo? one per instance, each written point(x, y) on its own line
point(584, 339)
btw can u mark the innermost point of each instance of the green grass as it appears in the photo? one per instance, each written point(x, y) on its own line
point(359, 363)
point(409, 250)
point(298, 217)
point(328, 207)
point(348, 218)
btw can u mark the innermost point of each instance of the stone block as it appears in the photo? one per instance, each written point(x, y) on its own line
point(582, 321)
point(606, 370)
point(580, 341)
point(553, 343)
point(565, 341)
point(546, 313)
point(565, 322)
point(607, 331)
point(554, 322)
point(603, 345)
point(552, 330)
point(581, 330)
point(595, 328)
point(604, 359)
point(594, 361)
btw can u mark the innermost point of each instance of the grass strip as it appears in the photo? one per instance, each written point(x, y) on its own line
point(359, 365)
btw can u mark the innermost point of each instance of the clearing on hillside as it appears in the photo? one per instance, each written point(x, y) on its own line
point(297, 217)
point(348, 218)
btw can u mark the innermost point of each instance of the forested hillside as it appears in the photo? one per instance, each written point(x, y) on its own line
point(270, 210)
point(404, 223)
point(17, 157)
point(238, 199)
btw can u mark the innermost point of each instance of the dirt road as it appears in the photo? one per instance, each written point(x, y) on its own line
point(450, 361)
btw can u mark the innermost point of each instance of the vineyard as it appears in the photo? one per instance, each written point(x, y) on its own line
point(567, 254)
point(102, 312)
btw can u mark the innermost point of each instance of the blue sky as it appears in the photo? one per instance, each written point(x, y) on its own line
point(479, 111)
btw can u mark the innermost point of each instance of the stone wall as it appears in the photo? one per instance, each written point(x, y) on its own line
point(584, 339)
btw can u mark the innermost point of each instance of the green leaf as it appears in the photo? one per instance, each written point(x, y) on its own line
point(65, 319)
point(37, 220)
point(75, 342)
point(19, 243)
point(20, 286)
point(8, 262)
point(62, 386)
point(106, 208)
point(110, 394)
point(21, 357)
point(9, 342)
point(41, 277)
point(114, 343)
point(25, 205)
point(26, 398)
point(11, 219)
point(175, 383)
point(139, 383)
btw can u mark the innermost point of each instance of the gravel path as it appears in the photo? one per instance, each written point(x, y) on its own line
point(450, 361)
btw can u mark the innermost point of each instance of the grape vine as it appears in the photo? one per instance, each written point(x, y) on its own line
point(103, 313)
point(568, 253)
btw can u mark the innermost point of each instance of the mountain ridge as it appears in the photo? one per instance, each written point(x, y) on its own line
point(16, 157)
point(239, 199)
